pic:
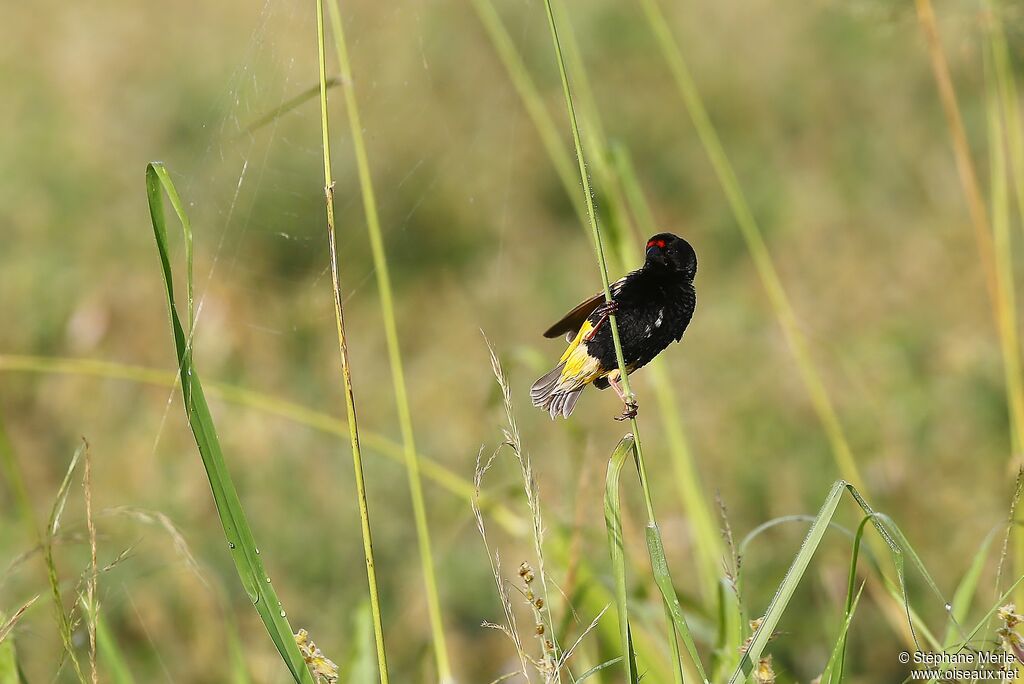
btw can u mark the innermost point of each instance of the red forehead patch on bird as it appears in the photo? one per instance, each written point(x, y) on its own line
point(660, 244)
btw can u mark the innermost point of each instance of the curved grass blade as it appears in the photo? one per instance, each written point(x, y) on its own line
point(241, 543)
point(784, 593)
point(287, 106)
point(662, 577)
point(597, 668)
point(965, 591)
point(730, 631)
point(613, 523)
point(851, 601)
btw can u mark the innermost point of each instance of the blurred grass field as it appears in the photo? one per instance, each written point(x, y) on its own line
point(830, 115)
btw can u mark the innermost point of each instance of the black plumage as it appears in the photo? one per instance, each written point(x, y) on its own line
point(652, 307)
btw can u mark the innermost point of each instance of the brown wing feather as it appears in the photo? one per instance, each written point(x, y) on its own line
point(573, 321)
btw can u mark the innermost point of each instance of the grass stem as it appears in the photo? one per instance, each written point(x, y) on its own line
point(660, 567)
point(751, 232)
point(346, 370)
point(609, 175)
point(380, 264)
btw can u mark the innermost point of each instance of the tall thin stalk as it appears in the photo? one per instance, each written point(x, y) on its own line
point(346, 370)
point(707, 541)
point(1007, 161)
point(777, 296)
point(380, 263)
point(660, 567)
point(820, 399)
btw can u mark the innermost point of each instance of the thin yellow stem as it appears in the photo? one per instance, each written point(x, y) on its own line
point(602, 262)
point(380, 264)
point(961, 149)
point(820, 399)
point(346, 370)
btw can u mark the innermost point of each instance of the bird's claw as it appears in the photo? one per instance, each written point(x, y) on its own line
point(603, 311)
point(629, 411)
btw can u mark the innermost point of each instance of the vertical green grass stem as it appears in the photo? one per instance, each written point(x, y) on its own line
point(346, 370)
point(676, 619)
point(380, 264)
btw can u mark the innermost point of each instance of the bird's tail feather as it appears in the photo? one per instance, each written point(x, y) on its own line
point(551, 395)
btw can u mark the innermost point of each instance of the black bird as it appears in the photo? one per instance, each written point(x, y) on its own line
point(652, 307)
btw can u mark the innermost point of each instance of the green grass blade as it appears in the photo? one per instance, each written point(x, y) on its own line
point(241, 543)
point(658, 561)
point(602, 262)
point(784, 593)
point(597, 668)
point(730, 632)
point(110, 654)
point(659, 565)
point(833, 673)
point(360, 664)
point(8, 661)
point(52, 526)
point(380, 267)
point(532, 100)
point(239, 668)
point(613, 523)
point(965, 592)
point(839, 659)
point(982, 627)
point(287, 106)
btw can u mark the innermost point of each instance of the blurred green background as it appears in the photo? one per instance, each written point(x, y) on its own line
point(830, 115)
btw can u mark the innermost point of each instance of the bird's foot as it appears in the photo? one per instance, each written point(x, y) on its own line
point(604, 311)
point(629, 411)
